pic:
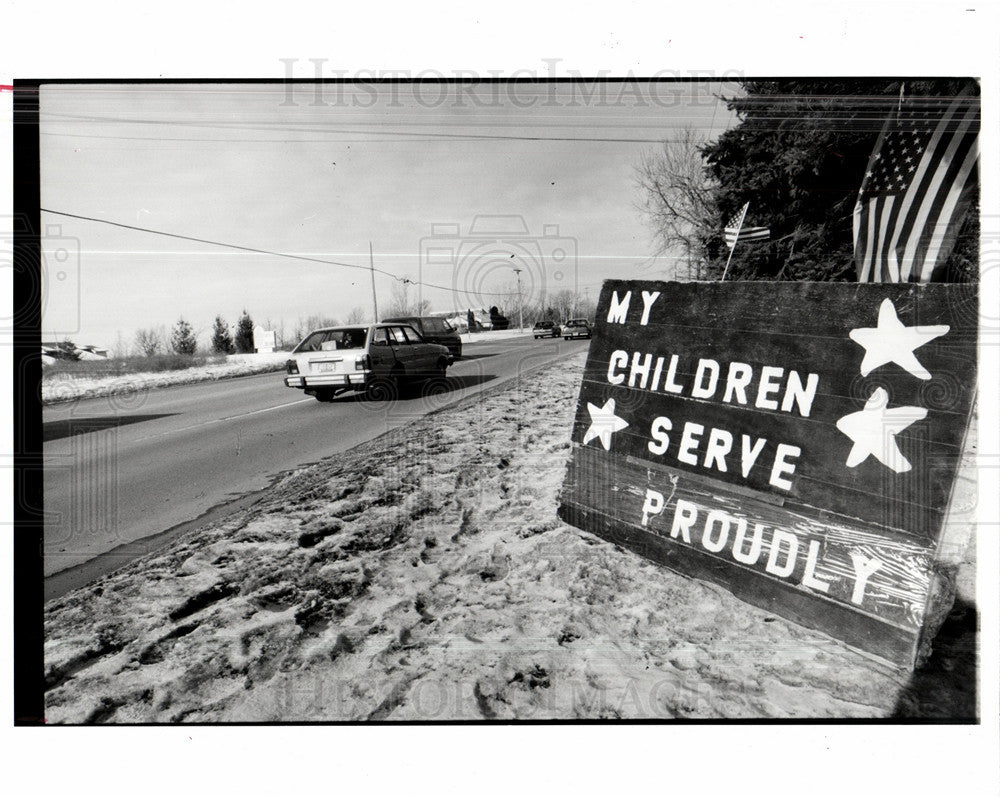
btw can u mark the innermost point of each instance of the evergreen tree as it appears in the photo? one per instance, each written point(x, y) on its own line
point(798, 156)
point(222, 339)
point(183, 341)
point(244, 334)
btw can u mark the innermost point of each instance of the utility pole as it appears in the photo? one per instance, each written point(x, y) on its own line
point(520, 311)
point(371, 260)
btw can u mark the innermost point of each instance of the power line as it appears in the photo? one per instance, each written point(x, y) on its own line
point(255, 250)
point(210, 242)
point(574, 119)
point(339, 130)
point(404, 136)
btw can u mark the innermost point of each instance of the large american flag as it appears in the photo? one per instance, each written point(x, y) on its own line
point(736, 231)
point(916, 191)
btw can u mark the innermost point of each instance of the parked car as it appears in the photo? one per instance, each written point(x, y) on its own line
point(432, 330)
point(379, 359)
point(545, 329)
point(576, 328)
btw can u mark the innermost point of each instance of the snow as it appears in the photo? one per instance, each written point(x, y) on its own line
point(65, 387)
point(499, 334)
point(425, 575)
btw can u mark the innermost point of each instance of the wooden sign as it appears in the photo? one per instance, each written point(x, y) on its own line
point(796, 443)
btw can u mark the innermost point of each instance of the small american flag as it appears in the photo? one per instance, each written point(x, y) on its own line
point(736, 231)
point(916, 191)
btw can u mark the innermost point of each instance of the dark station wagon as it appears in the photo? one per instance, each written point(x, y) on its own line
point(433, 330)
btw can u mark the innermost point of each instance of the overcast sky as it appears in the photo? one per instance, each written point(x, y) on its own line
point(321, 175)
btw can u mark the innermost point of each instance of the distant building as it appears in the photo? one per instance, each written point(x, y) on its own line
point(460, 319)
point(263, 340)
point(52, 351)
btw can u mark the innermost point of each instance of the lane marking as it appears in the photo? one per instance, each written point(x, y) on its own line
point(166, 390)
point(221, 420)
point(266, 409)
point(78, 575)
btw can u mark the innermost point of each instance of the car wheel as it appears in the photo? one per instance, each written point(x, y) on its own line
point(382, 388)
point(433, 388)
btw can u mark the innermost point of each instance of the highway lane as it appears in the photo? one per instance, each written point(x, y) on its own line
point(121, 470)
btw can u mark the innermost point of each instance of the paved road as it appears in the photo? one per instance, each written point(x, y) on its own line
point(119, 471)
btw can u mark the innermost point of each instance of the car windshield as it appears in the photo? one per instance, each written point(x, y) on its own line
point(334, 340)
point(576, 323)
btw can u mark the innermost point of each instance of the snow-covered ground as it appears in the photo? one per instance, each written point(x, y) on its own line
point(64, 387)
point(425, 575)
point(500, 334)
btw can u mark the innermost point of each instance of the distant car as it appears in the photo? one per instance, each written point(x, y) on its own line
point(576, 328)
point(545, 329)
point(432, 330)
point(378, 358)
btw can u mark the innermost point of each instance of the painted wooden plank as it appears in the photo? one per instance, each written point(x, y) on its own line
point(714, 415)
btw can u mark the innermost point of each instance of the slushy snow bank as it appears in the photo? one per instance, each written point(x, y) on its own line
point(64, 387)
point(425, 575)
point(499, 334)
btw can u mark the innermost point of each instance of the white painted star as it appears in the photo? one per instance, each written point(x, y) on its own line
point(873, 431)
point(891, 342)
point(603, 423)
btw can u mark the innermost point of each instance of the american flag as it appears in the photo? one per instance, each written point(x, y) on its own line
point(916, 191)
point(736, 231)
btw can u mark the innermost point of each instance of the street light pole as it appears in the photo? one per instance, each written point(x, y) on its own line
point(520, 310)
point(371, 261)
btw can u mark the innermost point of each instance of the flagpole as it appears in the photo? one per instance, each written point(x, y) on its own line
point(732, 248)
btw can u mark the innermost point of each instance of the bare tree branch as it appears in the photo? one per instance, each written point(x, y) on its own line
point(676, 198)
